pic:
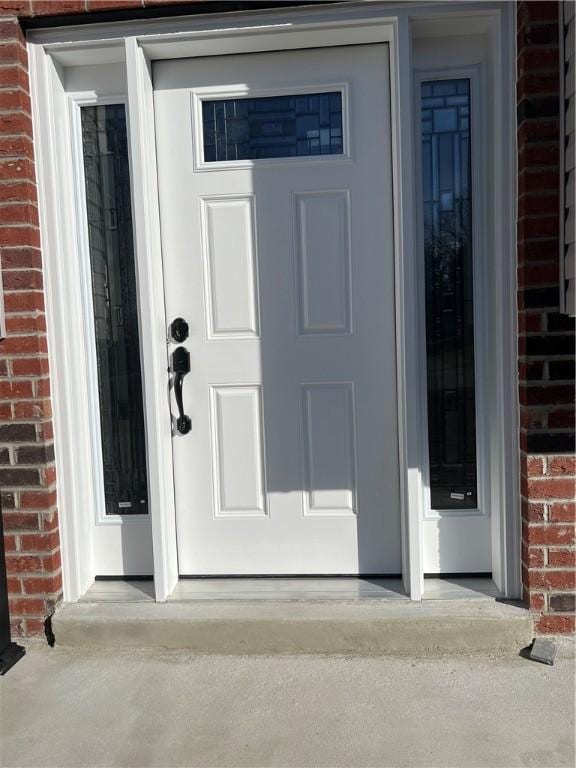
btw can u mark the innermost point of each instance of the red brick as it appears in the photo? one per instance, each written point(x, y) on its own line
point(23, 345)
point(531, 418)
point(24, 302)
point(19, 213)
point(16, 122)
point(35, 627)
point(37, 409)
point(17, 628)
point(532, 557)
point(562, 558)
point(14, 585)
point(5, 411)
point(27, 606)
point(538, 130)
point(9, 543)
point(532, 512)
point(535, 12)
point(537, 251)
point(552, 488)
point(37, 499)
point(530, 322)
point(46, 430)
point(13, 53)
point(537, 274)
point(42, 387)
point(536, 601)
point(542, 535)
point(16, 7)
point(49, 520)
point(562, 465)
point(561, 419)
point(535, 182)
point(18, 324)
point(40, 585)
point(551, 395)
point(15, 100)
point(51, 562)
point(13, 389)
point(556, 625)
point(531, 60)
point(23, 257)
point(539, 226)
point(537, 204)
point(16, 169)
point(539, 84)
point(16, 146)
point(20, 235)
point(17, 191)
point(22, 279)
point(23, 563)
point(55, 7)
point(20, 521)
point(562, 512)
point(30, 366)
point(535, 466)
point(49, 473)
point(14, 76)
point(39, 542)
point(548, 579)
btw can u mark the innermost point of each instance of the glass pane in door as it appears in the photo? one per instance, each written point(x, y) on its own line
point(448, 254)
point(107, 176)
point(297, 125)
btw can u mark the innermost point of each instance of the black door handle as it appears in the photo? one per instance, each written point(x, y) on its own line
point(180, 367)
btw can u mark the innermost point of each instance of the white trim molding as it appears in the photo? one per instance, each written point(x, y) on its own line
point(137, 44)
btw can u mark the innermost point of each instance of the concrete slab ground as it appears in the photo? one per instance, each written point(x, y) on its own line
point(63, 707)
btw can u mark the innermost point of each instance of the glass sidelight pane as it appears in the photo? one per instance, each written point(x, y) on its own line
point(272, 126)
point(107, 175)
point(448, 253)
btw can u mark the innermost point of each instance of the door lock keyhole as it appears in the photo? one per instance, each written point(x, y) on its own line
point(179, 330)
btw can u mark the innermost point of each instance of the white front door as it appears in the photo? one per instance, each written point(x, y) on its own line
point(275, 189)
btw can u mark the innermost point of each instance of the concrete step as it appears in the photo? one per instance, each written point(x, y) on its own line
point(371, 627)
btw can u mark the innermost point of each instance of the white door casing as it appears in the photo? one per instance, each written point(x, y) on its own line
point(137, 45)
point(284, 269)
point(121, 545)
point(458, 540)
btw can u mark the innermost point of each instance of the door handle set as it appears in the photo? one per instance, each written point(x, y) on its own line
point(180, 367)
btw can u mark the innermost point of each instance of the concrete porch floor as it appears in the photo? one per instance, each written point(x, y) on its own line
point(73, 708)
point(293, 589)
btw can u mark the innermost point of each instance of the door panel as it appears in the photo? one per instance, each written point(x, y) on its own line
point(276, 211)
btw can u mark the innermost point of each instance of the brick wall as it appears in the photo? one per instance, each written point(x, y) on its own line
point(546, 338)
point(27, 471)
point(545, 345)
point(27, 475)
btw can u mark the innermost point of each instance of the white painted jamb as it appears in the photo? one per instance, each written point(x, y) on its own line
point(153, 325)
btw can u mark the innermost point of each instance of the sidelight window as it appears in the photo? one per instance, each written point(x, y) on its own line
point(448, 256)
point(113, 278)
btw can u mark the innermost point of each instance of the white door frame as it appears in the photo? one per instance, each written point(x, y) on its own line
point(138, 44)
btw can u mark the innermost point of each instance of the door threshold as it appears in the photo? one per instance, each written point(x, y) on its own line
point(309, 589)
